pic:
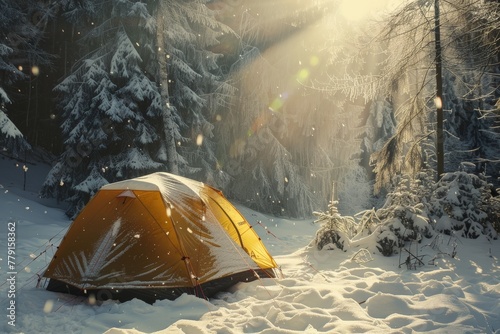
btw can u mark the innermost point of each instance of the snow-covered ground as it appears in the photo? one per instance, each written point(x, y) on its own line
point(322, 291)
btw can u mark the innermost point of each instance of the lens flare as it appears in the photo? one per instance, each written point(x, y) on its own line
point(303, 75)
point(314, 61)
point(276, 104)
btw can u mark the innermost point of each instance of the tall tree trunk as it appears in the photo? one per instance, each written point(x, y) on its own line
point(162, 77)
point(439, 94)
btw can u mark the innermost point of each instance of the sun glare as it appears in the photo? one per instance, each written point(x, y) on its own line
point(357, 10)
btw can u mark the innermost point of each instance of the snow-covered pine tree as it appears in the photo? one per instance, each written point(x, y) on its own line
point(471, 137)
point(195, 84)
point(493, 210)
point(11, 139)
point(401, 219)
point(404, 214)
point(18, 37)
point(335, 230)
point(110, 106)
point(461, 204)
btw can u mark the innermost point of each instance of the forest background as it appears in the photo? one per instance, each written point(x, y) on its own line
point(284, 105)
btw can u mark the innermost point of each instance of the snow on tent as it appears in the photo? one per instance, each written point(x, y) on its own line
point(157, 237)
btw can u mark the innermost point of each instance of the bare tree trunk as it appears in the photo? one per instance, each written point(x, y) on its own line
point(168, 122)
point(439, 94)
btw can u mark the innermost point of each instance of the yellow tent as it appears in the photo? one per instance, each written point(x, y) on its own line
point(156, 237)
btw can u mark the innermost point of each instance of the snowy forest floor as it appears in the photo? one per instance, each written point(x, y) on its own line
point(321, 292)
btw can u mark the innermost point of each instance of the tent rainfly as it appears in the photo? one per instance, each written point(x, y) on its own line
point(157, 237)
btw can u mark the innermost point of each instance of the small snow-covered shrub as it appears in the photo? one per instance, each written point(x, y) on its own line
point(328, 237)
point(399, 225)
point(403, 216)
point(335, 229)
point(386, 230)
point(461, 204)
point(387, 242)
point(407, 222)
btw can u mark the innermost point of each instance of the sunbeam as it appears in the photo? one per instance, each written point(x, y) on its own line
point(358, 10)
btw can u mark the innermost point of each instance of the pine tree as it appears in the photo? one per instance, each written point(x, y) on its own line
point(192, 84)
point(471, 133)
point(461, 204)
point(141, 99)
point(17, 49)
point(110, 105)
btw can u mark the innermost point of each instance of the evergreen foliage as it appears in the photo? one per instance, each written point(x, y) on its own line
point(403, 216)
point(110, 107)
point(141, 99)
point(460, 204)
point(335, 230)
point(11, 139)
point(18, 49)
point(197, 88)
